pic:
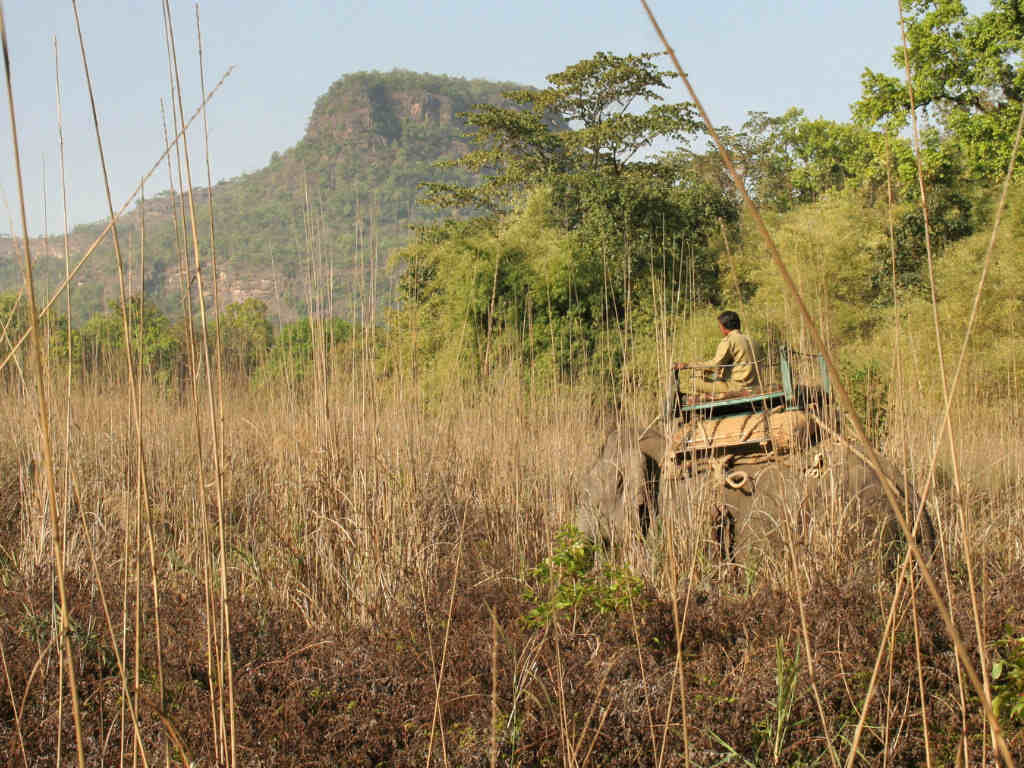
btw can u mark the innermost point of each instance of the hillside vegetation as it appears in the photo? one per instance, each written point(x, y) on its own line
point(354, 176)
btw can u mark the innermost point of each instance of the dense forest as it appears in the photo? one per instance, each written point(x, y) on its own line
point(592, 253)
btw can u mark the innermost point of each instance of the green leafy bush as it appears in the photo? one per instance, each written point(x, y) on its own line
point(568, 582)
point(1008, 679)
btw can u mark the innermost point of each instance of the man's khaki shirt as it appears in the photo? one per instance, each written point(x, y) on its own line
point(736, 358)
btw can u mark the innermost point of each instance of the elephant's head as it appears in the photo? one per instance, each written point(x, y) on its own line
point(621, 488)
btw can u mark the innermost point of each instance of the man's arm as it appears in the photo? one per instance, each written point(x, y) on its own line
point(723, 356)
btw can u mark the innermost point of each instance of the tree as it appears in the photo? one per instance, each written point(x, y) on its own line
point(585, 120)
point(789, 160)
point(588, 141)
point(160, 342)
point(291, 354)
point(477, 289)
point(246, 335)
point(13, 319)
point(966, 74)
point(574, 164)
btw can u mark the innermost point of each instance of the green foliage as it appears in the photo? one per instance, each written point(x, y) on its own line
point(290, 357)
point(788, 160)
point(13, 315)
point(575, 229)
point(991, 360)
point(152, 337)
point(831, 249)
point(966, 75)
point(867, 383)
point(469, 286)
point(57, 328)
point(13, 324)
point(583, 137)
point(246, 335)
point(250, 347)
point(569, 582)
point(1008, 680)
point(582, 121)
point(787, 671)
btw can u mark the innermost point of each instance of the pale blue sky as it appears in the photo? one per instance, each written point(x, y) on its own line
point(740, 56)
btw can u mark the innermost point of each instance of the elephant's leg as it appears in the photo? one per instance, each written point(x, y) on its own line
point(693, 508)
point(723, 532)
point(763, 501)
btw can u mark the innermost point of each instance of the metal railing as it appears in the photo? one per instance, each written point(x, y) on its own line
point(790, 373)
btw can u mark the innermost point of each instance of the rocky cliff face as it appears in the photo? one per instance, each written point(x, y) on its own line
point(370, 141)
point(377, 112)
point(370, 112)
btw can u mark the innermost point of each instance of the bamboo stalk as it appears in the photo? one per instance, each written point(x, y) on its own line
point(948, 426)
point(68, 418)
point(135, 415)
point(211, 399)
point(44, 413)
point(141, 488)
point(213, 239)
point(902, 415)
point(214, 656)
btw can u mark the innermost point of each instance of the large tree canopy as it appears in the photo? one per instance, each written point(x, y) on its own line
point(966, 74)
point(789, 159)
point(585, 120)
point(590, 138)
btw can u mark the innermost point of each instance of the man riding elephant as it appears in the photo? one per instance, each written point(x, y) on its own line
point(753, 474)
point(734, 365)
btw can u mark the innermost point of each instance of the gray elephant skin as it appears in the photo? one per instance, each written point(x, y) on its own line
point(751, 507)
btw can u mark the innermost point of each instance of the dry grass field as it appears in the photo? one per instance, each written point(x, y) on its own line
point(361, 587)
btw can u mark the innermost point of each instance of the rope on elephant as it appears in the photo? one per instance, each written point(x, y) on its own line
point(761, 419)
point(737, 479)
point(721, 469)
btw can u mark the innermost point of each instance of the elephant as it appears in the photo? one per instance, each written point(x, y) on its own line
point(621, 488)
point(746, 496)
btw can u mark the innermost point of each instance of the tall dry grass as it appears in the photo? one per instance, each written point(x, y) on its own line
point(356, 520)
point(382, 482)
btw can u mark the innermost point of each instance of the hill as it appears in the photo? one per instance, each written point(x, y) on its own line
point(346, 193)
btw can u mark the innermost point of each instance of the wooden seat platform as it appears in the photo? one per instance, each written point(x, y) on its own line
point(751, 396)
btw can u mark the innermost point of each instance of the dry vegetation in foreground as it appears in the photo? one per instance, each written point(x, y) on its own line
point(380, 559)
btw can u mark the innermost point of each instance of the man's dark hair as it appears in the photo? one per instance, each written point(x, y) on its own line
point(729, 320)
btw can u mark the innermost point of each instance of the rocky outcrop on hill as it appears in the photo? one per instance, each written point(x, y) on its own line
point(370, 141)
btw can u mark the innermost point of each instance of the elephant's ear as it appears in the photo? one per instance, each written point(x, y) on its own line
point(652, 441)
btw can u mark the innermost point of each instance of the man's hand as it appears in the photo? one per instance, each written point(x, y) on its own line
point(680, 366)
